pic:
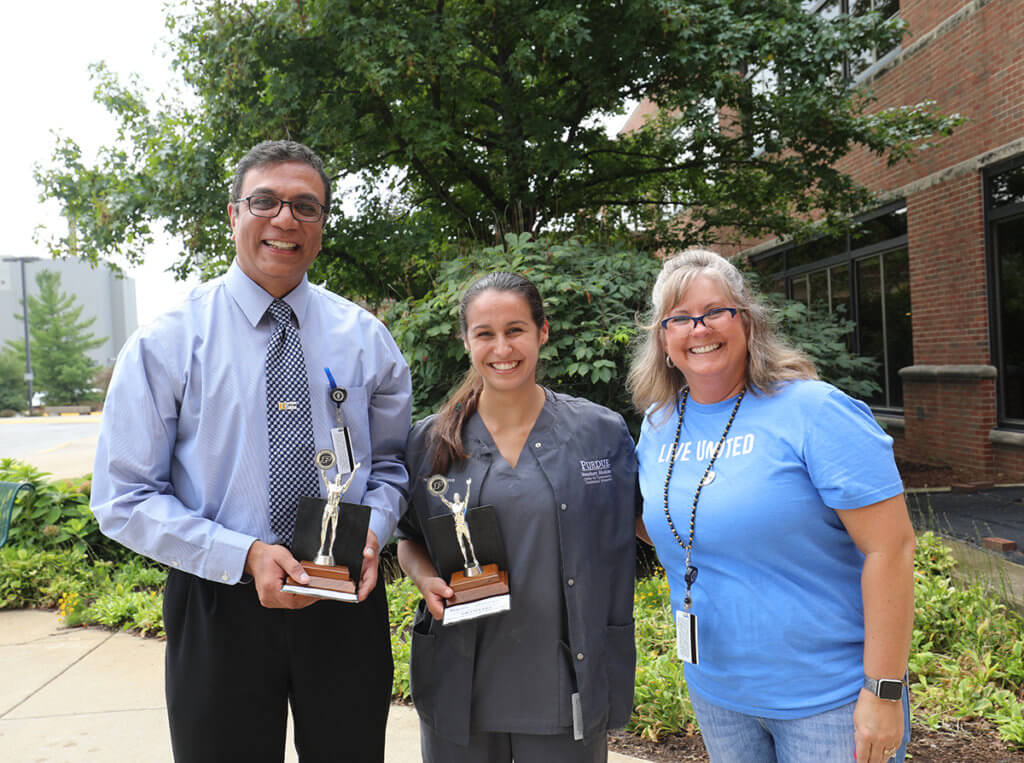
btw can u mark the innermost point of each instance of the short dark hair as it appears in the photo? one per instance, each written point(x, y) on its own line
point(279, 152)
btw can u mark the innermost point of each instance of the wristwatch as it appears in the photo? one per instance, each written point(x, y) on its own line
point(885, 688)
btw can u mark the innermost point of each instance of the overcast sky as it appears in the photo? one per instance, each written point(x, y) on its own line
point(45, 59)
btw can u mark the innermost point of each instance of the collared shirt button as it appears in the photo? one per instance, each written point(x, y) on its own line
point(536, 445)
point(579, 656)
point(225, 576)
point(571, 581)
point(176, 563)
point(563, 507)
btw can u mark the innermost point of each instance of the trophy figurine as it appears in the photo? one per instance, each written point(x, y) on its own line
point(480, 590)
point(329, 517)
point(458, 509)
point(332, 534)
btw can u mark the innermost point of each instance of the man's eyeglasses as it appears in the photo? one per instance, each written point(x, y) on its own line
point(303, 210)
point(710, 319)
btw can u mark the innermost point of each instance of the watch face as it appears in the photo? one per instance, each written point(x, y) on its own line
point(890, 689)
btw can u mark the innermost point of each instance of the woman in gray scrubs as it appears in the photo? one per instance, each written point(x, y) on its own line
point(544, 680)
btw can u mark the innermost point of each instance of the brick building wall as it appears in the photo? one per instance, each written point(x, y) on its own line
point(968, 57)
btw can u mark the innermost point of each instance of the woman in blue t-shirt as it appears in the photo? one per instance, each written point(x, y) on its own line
point(775, 506)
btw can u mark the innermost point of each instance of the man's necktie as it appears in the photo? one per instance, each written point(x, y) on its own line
point(289, 423)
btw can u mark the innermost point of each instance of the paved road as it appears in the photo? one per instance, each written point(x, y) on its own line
point(61, 445)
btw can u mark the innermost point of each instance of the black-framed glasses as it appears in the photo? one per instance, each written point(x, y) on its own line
point(710, 319)
point(265, 205)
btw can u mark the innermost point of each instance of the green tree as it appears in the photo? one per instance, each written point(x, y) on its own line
point(60, 339)
point(13, 391)
point(468, 119)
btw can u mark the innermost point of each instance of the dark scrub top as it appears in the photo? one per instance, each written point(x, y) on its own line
point(527, 640)
point(579, 466)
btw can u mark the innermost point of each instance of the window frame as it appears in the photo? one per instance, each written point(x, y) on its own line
point(879, 58)
point(993, 217)
point(850, 257)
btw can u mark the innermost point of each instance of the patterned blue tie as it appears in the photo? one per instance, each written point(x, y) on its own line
point(289, 423)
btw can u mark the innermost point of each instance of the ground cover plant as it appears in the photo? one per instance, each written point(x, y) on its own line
point(966, 665)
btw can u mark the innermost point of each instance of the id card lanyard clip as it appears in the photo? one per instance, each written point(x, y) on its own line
point(341, 438)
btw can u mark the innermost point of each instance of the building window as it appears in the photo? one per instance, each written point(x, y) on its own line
point(865, 275)
point(856, 65)
point(1004, 212)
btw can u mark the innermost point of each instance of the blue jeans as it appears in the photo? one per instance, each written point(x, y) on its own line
point(732, 737)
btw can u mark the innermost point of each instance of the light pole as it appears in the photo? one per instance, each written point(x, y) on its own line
point(24, 320)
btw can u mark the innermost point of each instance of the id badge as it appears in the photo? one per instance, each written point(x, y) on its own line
point(686, 636)
point(342, 441)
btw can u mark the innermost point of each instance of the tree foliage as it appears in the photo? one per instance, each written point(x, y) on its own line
point(60, 339)
point(13, 390)
point(592, 295)
point(595, 296)
point(468, 119)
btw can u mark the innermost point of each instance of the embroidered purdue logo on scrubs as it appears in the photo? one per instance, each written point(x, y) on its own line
point(596, 471)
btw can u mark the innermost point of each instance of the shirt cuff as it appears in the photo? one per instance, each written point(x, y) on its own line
point(225, 563)
point(383, 525)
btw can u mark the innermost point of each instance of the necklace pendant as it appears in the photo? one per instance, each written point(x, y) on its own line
point(708, 478)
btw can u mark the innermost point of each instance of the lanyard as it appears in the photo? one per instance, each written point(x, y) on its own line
point(691, 571)
point(337, 395)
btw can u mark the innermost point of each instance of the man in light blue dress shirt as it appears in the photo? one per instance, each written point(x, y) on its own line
point(182, 476)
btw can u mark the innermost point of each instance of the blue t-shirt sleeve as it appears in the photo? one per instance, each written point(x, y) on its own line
point(849, 458)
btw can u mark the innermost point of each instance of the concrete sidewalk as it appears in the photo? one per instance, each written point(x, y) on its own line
point(84, 695)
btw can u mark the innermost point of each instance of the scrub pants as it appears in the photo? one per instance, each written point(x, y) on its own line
point(500, 747)
point(232, 667)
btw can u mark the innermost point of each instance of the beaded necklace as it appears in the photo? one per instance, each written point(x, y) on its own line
point(691, 571)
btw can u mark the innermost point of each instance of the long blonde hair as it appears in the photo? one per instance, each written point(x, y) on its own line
point(770, 362)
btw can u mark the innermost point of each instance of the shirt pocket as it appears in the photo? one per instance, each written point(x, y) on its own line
point(356, 415)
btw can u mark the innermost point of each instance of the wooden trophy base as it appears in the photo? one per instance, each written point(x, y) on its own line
point(324, 582)
point(477, 596)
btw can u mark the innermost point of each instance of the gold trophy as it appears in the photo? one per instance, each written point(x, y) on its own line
point(480, 590)
point(327, 578)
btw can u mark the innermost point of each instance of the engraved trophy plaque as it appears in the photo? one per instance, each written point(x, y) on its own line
point(329, 538)
point(459, 540)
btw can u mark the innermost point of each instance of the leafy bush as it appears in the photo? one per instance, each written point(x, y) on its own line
point(592, 295)
point(661, 704)
point(824, 336)
point(86, 590)
point(403, 597)
point(967, 653)
point(55, 515)
point(30, 578)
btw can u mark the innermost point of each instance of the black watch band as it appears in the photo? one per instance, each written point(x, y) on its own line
point(885, 688)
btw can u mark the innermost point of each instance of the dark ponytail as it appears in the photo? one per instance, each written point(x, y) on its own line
point(446, 434)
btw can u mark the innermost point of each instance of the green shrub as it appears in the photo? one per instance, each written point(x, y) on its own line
point(660, 701)
point(592, 296)
point(30, 578)
point(403, 597)
point(55, 515)
point(967, 653)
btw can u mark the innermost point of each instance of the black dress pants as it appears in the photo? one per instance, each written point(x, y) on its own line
point(232, 666)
